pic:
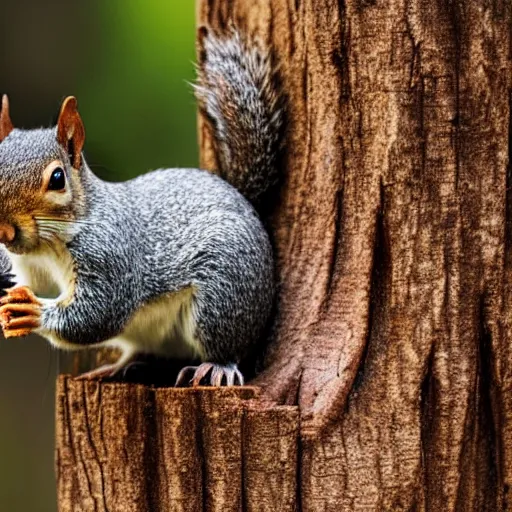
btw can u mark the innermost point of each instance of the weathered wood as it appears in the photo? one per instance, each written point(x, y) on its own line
point(392, 234)
point(180, 469)
point(393, 333)
point(104, 434)
point(270, 446)
point(125, 447)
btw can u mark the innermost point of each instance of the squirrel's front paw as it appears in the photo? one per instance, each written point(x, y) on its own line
point(20, 312)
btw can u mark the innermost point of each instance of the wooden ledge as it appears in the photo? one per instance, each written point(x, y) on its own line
point(129, 447)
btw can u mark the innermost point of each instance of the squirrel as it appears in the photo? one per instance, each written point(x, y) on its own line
point(175, 262)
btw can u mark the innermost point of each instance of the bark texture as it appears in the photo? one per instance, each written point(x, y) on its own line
point(393, 334)
point(392, 237)
point(132, 448)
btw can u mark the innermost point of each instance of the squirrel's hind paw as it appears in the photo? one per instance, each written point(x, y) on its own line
point(211, 374)
point(106, 371)
point(110, 370)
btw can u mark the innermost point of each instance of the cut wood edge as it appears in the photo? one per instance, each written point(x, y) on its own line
point(187, 449)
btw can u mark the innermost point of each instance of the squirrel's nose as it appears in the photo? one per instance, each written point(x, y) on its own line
point(7, 233)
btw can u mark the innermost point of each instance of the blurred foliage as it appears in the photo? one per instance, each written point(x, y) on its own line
point(138, 109)
point(128, 63)
point(27, 377)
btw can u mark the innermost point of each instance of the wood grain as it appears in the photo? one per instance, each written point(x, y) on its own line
point(133, 448)
point(393, 331)
point(392, 235)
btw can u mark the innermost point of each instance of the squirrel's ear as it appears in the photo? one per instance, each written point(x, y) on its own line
point(71, 131)
point(6, 126)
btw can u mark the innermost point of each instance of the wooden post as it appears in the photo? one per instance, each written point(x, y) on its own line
point(394, 327)
point(126, 447)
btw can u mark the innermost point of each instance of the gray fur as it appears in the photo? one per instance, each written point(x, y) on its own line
point(175, 228)
point(23, 156)
point(160, 233)
point(237, 91)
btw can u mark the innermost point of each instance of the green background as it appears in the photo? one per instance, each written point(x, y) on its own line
point(128, 63)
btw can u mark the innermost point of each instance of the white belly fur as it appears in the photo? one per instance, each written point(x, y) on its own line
point(165, 326)
point(49, 273)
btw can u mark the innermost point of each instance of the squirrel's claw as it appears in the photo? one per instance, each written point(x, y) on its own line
point(21, 294)
point(230, 374)
point(20, 312)
point(110, 370)
point(105, 371)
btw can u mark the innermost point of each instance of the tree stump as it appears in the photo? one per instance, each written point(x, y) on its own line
point(393, 332)
point(127, 447)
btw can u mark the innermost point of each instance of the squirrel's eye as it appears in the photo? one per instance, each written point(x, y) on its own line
point(57, 179)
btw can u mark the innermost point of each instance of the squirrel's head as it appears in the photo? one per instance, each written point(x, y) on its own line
point(41, 190)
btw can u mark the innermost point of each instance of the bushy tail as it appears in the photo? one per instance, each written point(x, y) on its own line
point(238, 91)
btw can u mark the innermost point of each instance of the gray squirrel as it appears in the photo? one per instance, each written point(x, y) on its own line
point(175, 262)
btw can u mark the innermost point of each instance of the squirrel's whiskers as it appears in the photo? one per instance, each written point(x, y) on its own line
point(175, 262)
point(54, 227)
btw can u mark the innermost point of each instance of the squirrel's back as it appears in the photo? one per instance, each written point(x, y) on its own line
point(175, 257)
point(182, 228)
point(169, 211)
point(238, 94)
